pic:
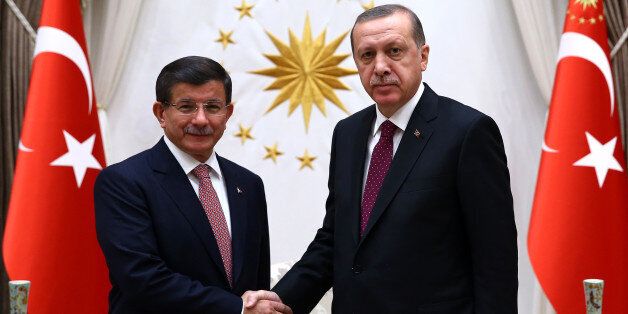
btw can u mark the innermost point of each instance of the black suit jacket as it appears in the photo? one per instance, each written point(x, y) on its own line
point(159, 246)
point(441, 237)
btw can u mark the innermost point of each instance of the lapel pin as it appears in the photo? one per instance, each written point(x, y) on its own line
point(238, 190)
point(417, 133)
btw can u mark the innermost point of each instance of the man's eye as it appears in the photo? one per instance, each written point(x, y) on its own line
point(367, 55)
point(212, 108)
point(395, 51)
point(186, 106)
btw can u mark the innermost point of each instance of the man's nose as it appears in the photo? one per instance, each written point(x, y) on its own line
point(200, 117)
point(381, 65)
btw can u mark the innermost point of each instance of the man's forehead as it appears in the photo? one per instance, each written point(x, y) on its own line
point(213, 87)
point(387, 28)
point(398, 22)
point(385, 37)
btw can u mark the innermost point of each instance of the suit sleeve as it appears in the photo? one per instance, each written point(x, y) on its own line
point(126, 236)
point(487, 206)
point(308, 280)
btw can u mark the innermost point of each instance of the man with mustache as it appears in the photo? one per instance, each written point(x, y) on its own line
point(184, 230)
point(419, 214)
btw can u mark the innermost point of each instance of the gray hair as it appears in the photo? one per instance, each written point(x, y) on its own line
point(388, 10)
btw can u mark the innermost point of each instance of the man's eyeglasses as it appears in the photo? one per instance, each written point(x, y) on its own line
point(190, 107)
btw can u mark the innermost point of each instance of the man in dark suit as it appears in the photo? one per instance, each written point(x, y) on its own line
point(184, 230)
point(419, 214)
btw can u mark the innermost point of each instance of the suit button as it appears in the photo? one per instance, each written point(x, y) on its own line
point(357, 269)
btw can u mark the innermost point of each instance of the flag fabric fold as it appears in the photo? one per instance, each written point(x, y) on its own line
point(579, 222)
point(50, 236)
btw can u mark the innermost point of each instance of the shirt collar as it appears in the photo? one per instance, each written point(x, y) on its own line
point(188, 163)
point(402, 116)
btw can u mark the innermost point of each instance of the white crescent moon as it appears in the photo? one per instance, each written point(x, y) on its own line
point(50, 39)
point(24, 148)
point(578, 45)
point(548, 149)
point(544, 146)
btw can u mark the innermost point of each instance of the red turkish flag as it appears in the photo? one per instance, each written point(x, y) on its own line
point(579, 223)
point(50, 236)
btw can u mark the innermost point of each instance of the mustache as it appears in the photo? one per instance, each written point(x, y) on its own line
point(191, 129)
point(377, 80)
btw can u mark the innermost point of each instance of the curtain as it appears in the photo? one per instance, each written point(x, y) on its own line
point(109, 28)
point(617, 22)
point(16, 51)
point(540, 24)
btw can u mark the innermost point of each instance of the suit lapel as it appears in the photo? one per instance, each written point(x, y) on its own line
point(177, 185)
point(407, 154)
point(357, 171)
point(238, 213)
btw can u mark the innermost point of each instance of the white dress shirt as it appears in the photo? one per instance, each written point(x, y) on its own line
point(400, 118)
point(188, 163)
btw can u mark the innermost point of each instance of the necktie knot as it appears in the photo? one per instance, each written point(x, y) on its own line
point(387, 129)
point(201, 171)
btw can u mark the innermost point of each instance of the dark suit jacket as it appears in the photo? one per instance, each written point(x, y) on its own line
point(158, 243)
point(441, 237)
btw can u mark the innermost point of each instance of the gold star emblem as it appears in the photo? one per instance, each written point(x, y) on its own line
point(581, 20)
point(306, 160)
point(587, 3)
point(306, 72)
point(225, 38)
point(272, 152)
point(572, 17)
point(245, 9)
point(244, 134)
point(592, 20)
point(601, 17)
point(368, 6)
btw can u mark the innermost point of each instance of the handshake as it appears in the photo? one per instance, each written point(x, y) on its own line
point(262, 301)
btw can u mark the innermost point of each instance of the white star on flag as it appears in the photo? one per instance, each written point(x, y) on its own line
point(79, 156)
point(600, 157)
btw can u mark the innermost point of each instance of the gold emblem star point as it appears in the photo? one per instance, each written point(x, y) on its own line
point(369, 5)
point(306, 160)
point(245, 9)
point(244, 134)
point(225, 38)
point(272, 152)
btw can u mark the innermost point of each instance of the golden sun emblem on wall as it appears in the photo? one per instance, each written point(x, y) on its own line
point(586, 3)
point(306, 72)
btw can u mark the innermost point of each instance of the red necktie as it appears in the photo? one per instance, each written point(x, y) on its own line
point(378, 168)
point(213, 210)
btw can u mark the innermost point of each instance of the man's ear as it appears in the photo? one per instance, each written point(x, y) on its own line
point(425, 52)
point(230, 110)
point(158, 111)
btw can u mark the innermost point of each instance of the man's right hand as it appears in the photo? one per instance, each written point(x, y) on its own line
point(262, 301)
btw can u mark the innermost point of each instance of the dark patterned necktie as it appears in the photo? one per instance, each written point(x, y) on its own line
point(213, 210)
point(378, 168)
